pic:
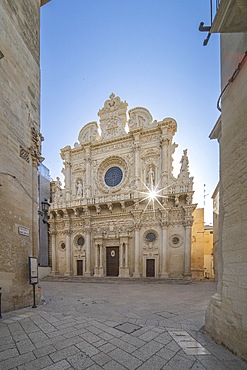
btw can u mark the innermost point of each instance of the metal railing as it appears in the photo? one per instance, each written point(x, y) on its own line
point(214, 6)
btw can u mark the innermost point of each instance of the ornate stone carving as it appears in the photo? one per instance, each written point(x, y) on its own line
point(35, 149)
point(24, 154)
point(104, 166)
point(139, 117)
point(113, 118)
point(89, 133)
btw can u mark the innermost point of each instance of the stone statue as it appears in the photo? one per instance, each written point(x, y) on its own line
point(79, 189)
point(184, 162)
point(57, 190)
point(150, 178)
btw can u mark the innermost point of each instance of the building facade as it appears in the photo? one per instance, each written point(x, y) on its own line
point(202, 259)
point(20, 146)
point(226, 317)
point(121, 211)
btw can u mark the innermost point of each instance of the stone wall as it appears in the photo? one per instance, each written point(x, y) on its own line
point(19, 147)
point(226, 318)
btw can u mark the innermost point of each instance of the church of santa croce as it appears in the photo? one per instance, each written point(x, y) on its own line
point(121, 211)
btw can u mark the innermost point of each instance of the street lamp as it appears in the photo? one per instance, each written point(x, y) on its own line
point(45, 205)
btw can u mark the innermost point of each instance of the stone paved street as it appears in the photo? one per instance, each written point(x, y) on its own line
point(114, 325)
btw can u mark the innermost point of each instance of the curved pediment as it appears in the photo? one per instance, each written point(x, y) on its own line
point(139, 117)
point(89, 133)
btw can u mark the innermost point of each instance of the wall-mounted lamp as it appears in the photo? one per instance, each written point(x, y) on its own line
point(45, 205)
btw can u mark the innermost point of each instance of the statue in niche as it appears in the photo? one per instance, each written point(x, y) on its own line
point(184, 162)
point(150, 178)
point(79, 189)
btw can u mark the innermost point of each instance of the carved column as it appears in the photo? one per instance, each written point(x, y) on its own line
point(101, 273)
point(96, 268)
point(187, 249)
point(137, 252)
point(137, 159)
point(67, 167)
point(164, 160)
point(126, 255)
point(121, 255)
point(68, 253)
point(88, 171)
point(88, 250)
point(53, 234)
point(164, 249)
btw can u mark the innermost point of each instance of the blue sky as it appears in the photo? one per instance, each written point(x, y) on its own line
point(148, 52)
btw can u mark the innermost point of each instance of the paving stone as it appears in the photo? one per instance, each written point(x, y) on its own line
point(95, 367)
point(101, 344)
point(106, 336)
point(90, 337)
point(106, 348)
point(163, 338)
point(25, 346)
point(113, 365)
point(153, 363)
point(166, 353)
point(136, 342)
point(38, 337)
point(39, 363)
point(179, 362)
point(87, 348)
point(198, 366)
point(63, 353)
point(9, 353)
point(123, 345)
point(61, 365)
point(211, 362)
point(80, 361)
point(125, 359)
point(147, 351)
point(148, 336)
point(101, 358)
point(60, 344)
point(29, 326)
point(127, 328)
point(44, 351)
point(16, 361)
point(95, 330)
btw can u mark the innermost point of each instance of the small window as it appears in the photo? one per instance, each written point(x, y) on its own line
point(63, 246)
point(80, 241)
point(150, 237)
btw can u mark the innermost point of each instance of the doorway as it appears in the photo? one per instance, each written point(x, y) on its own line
point(112, 261)
point(79, 267)
point(150, 268)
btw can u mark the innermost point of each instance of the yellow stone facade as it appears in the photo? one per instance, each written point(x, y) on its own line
point(202, 260)
point(103, 222)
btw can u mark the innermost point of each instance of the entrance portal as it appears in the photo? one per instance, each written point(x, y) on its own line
point(150, 268)
point(79, 267)
point(112, 261)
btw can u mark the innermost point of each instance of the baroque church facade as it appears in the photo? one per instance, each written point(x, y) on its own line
point(121, 211)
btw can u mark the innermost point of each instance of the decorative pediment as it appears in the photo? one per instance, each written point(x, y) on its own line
point(140, 117)
point(113, 118)
point(89, 133)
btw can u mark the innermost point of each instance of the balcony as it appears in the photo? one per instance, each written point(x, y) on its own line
point(226, 16)
point(231, 16)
